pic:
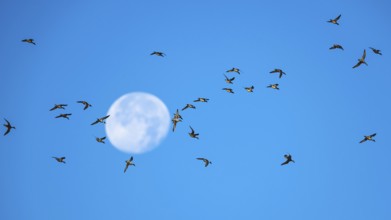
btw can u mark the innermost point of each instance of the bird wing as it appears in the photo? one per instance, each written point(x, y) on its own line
point(364, 54)
point(363, 140)
point(337, 18)
point(103, 138)
point(192, 131)
point(131, 159)
point(185, 107)
point(200, 158)
point(7, 131)
point(373, 135)
point(126, 167)
point(103, 118)
point(95, 122)
point(358, 64)
point(85, 106)
point(53, 108)
point(286, 162)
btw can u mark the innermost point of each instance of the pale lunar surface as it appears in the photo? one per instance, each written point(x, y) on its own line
point(138, 122)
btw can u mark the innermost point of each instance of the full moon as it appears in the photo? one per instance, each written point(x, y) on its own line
point(138, 122)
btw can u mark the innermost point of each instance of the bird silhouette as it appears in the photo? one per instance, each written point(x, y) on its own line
point(368, 138)
point(249, 89)
point(229, 90)
point(229, 80)
point(60, 159)
point(376, 51)
point(8, 126)
point(58, 106)
point(335, 20)
point(336, 46)
point(236, 70)
point(278, 71)
point(100, 120)
point(288, 159)
point(192, 133)
point(159, 54)
point(64, 116)
point(201, 100)
point(361, 60)
point(129, 163)
point(86, 104)
point(100, 140)
point(31, 41)
point(206, 161)
point(273, 86)
point(188, 106)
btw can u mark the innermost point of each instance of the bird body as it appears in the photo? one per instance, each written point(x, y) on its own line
point(100, 140)
point(206, 161)
point(368, 138)
point(288, 158)
point(236, 70)
point(188, 106)
point(8, 126)
point(229, 90)
point(129, 163)
point(201, 100)
point(249, 89)
point(273, 86)
point(100, 120)
point(60, 159)
point(58, 106)
point(64, 116)
point(361, 60)
point(192, 133)
point(278, 71)
point(86, 104)
point(335, 20)
point(336, 46)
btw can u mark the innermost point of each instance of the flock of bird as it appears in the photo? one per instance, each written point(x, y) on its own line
point(178, 118)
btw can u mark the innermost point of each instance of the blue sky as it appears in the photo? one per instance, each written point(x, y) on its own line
point(99, 50)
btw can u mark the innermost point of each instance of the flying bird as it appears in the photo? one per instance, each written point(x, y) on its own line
point(335, 20)
point(201, 100)
point(58, 106)
point(229, 80)
point(60, 159)
point(361, 60)
point(206, 161)
point(273, 86)
point(368, 138)
point(31, 41)
point(376, 51)
point(101, 120)
point(192, 133)
point(229, 90)
point(86, 104)
point(160, 54)
point(100, 140)
point(174, 122)
point(288, 159)
point(249, 89)
point(188, 106)
point(129, 163)
point(177, 115)
point(236, 70)
point(336, 46)
point(64, 116)
point(278, 71)
point(8, 126)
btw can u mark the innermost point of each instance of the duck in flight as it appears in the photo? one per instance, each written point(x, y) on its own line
point(86, 104)
point(288, 158)
point(30, 41)
point(129, 163)
point(60, 159)
point(100, 140)
point(336, 46)
point(188, 106)
point(159, 54)
point(236, 70)
point(335, 20)
point(278, 71)
point(229, 80)
point(273, 86)
point(58, 106)
point(201, 100)
point(368, 138)
point(64, 116)
point(206, 161)
point(229, 90)
point(100, 120)
point(192, 133)
point(376, 51)
point(8, 126)
point(249, 89)
point(361, 60)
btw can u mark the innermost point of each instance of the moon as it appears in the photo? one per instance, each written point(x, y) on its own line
point(138, 122)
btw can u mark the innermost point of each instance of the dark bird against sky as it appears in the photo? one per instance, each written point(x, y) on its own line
point(335, 20)
point(361, 60)
point(8, 126)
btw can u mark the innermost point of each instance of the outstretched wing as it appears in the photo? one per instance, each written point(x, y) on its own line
point(95, 122)
point(337, 18)
point(364, 54)
point(373, 135)
point(363, 140)
point(358, 64)
point(103, 118)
